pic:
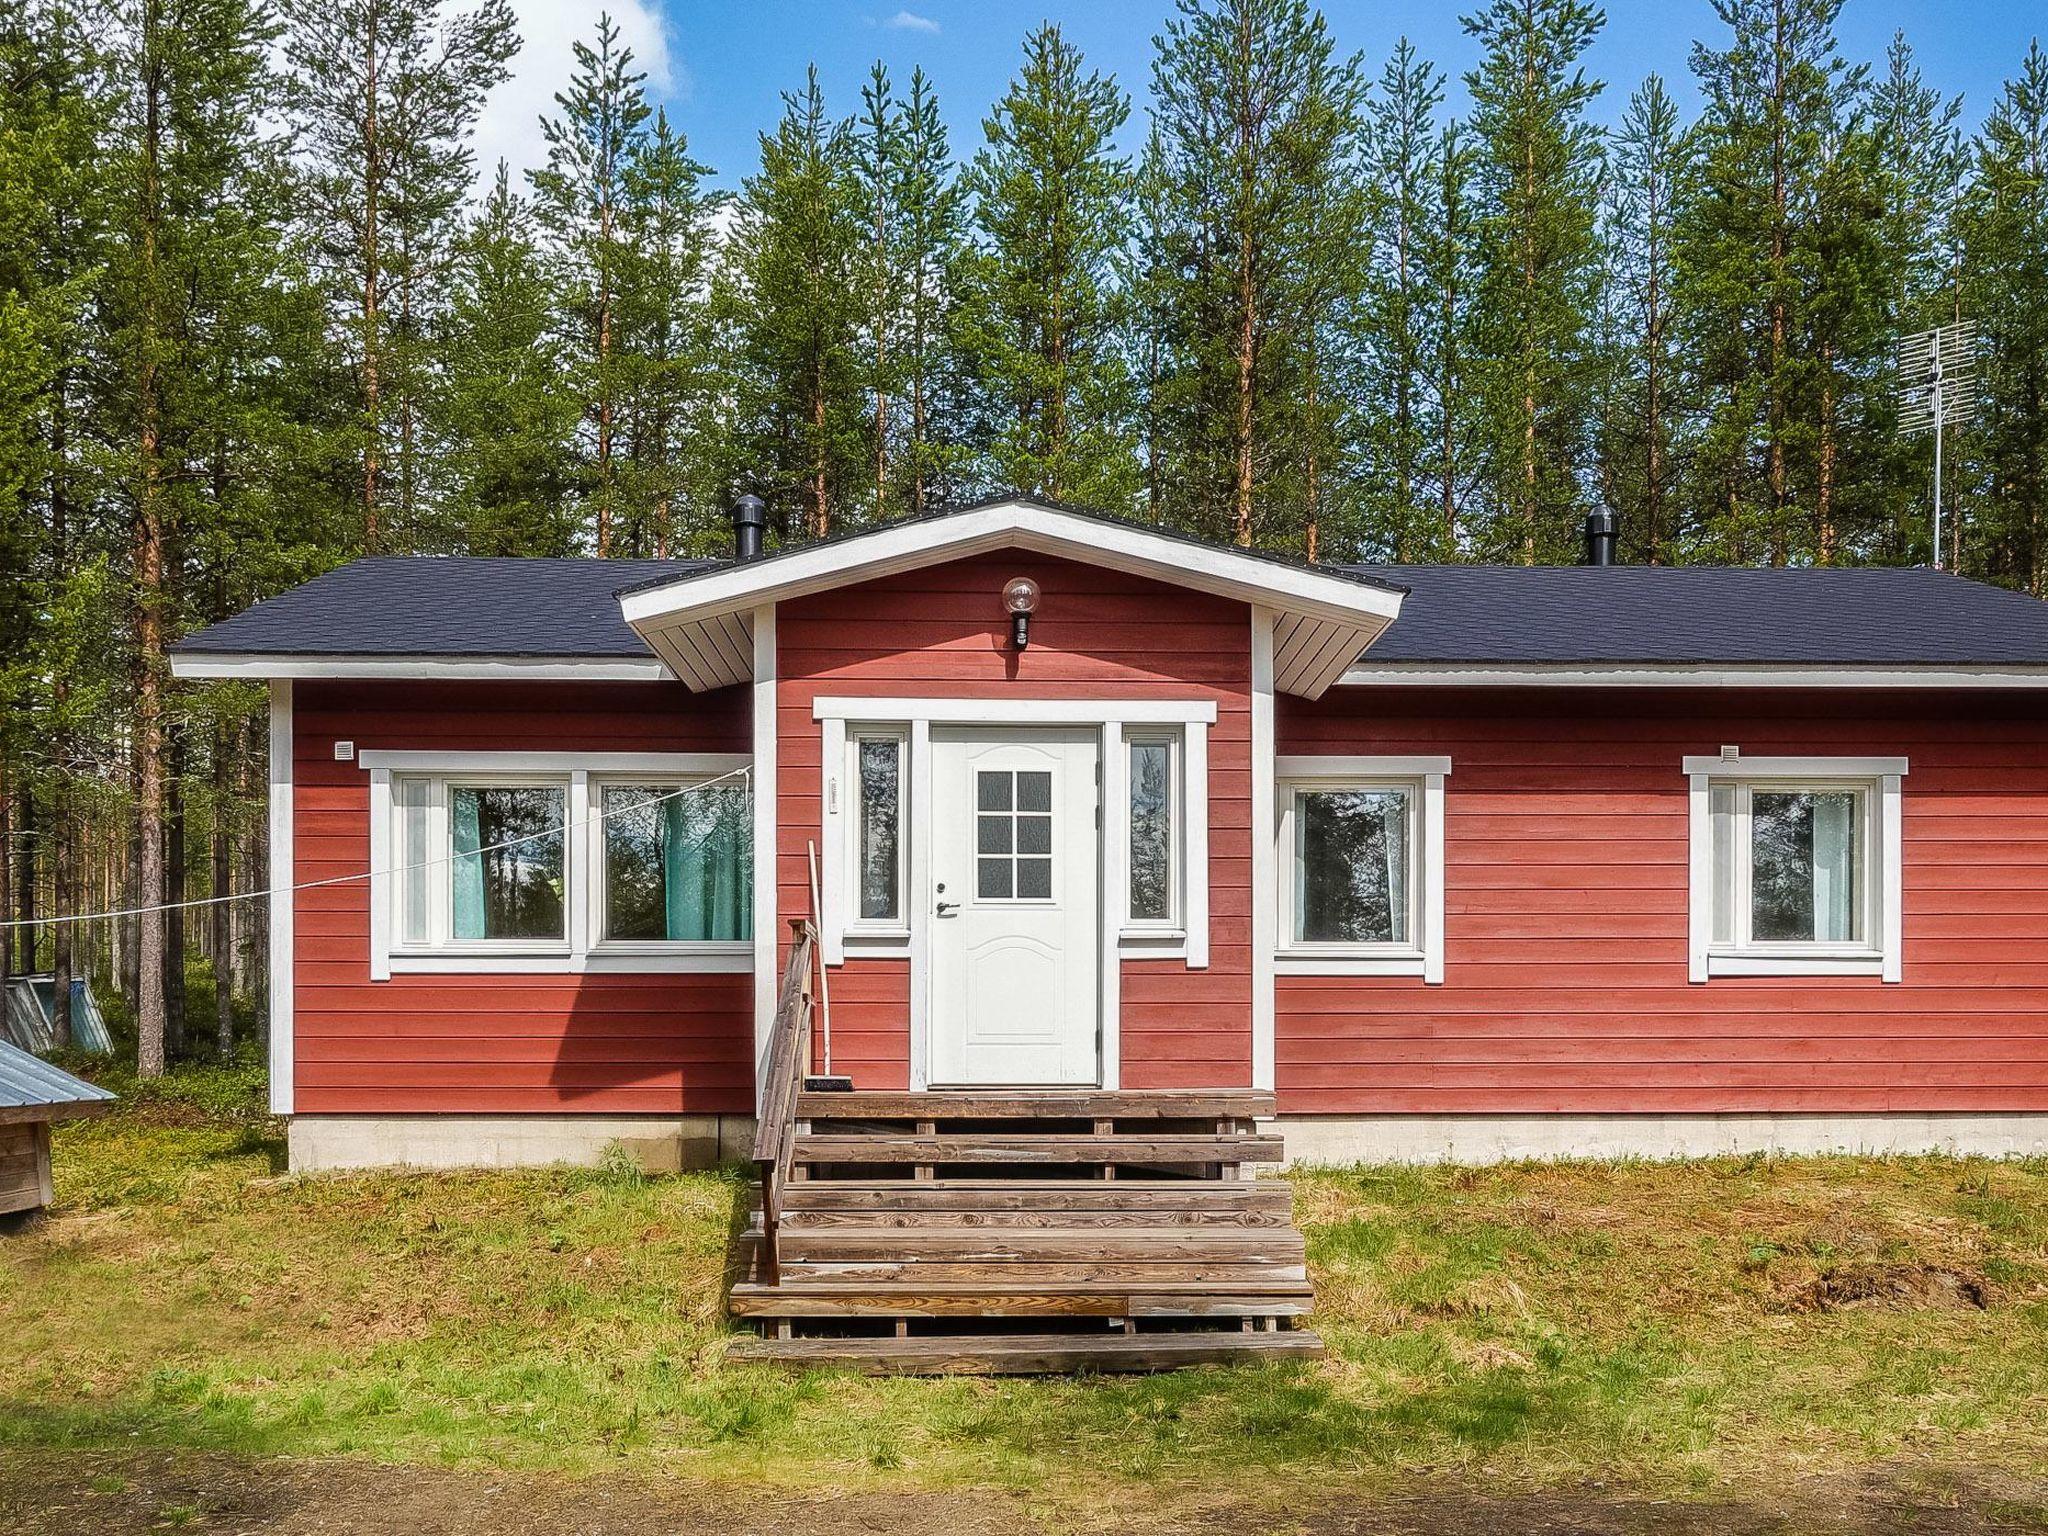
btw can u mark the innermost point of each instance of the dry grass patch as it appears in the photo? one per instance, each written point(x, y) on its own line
point(1537, 1325)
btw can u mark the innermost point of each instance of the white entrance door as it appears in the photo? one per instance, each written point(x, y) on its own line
point(1015, 926)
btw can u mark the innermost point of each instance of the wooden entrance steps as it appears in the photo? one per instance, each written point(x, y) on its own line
point(1012, 1232)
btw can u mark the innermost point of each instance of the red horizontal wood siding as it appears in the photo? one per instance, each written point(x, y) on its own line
point(941, 632)
point(1566, 869)
point(494, 1044)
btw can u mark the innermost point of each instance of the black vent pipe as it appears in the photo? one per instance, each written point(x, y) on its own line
point(749, 525)
point(1600, 537)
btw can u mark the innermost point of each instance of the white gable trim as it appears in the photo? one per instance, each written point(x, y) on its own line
point(1328, 619)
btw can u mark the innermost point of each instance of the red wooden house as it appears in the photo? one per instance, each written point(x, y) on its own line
point(1449, 861)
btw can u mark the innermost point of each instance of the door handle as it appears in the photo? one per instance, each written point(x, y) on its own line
point(946, 908)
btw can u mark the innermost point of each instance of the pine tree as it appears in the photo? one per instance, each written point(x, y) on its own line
point(385, 95)
point(665, 314)
point(1261, 138)
point(507, 419)
point(1921, 169)
point(1041, 307)
point(876, 141)
point(1640, 446)
point(581, 197)
point(1449, 253)
point(1537, 177)
point(933, 232)
point(1777, 104)
point(190, 169)
point(2004, 227)
point(796, 245)
point(1400, 309)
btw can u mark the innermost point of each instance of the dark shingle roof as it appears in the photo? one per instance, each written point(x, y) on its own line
point(1478, 615)
point(1500, 615)
point(448, 605)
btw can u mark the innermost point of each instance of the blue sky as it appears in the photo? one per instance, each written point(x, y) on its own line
point(720, 66)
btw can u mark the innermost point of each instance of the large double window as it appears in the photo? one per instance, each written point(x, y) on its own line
point(1795, 866)
point(1360, 859)
point(565, 868)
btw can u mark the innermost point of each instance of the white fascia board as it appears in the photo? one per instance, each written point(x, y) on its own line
point(1018, 711)
point(1016, 525)
point(576, 669)
point(1679, 675)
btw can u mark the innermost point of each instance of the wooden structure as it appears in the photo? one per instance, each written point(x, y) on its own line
point(33, 1095)
point(1010, 1232)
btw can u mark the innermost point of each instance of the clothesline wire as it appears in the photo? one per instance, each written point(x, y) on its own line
point(367, 874)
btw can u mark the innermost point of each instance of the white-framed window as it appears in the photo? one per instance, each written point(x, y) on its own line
point(530, 861)
point(1359, 853)
point(1155, 831)
point(1795, 867)
point(877, 773)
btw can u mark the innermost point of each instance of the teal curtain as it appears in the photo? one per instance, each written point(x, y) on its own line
point(1834, 868)
point(706, 853)
point(466, 871)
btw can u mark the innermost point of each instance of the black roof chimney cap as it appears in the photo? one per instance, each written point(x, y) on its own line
point(1601, 536)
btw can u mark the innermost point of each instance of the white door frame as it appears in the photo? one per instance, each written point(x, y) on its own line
point(1109, 716)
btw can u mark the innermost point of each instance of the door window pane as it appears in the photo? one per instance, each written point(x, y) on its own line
point(1013, 835)
point(880, 763)
point(506, 873)
point(1151, 831)
point(1351, 866)
point(1804, 866)
point(677, 862)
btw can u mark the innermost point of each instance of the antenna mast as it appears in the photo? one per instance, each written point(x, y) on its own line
point(1937, 387)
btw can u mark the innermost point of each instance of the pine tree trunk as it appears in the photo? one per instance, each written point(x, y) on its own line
point(371, 251)
point(1776, 433)
point(821, 510)
point(174, 896)
point(221, 913)
point(148, 575)
point(25, 881)
point(63, 856)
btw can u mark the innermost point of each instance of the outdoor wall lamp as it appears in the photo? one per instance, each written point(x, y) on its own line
point(1020, 598)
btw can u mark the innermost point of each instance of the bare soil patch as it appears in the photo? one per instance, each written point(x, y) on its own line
point(70, 1493)
point(1892, 1285)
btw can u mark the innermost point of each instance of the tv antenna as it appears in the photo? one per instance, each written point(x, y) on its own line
point(1937, 388)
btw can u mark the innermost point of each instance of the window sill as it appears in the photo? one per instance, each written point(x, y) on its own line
point(1794, 965)
point(1337, 963)
point(711, 960)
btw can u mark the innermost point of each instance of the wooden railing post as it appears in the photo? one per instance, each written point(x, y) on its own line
point(789, 1059)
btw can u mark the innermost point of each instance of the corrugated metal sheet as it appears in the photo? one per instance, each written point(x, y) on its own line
point(28, 1081)
point(28, 1021)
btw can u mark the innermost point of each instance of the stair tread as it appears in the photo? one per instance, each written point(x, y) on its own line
point(1033, 1194)
point(811, 1244)
point(1076, 1104)
point(1025, 1148)
point(1032, 1353)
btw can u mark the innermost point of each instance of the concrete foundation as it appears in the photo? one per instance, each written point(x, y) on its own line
point(1506, 1138)
point(659, 1143)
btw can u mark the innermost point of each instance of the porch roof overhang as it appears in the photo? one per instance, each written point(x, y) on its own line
point(700, 623)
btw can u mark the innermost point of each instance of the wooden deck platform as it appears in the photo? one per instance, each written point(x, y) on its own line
point(1019, 1232)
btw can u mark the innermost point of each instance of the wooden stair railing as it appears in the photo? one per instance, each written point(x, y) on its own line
point(789, 1059)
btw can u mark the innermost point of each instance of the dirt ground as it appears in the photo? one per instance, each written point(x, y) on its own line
point(113, 1494)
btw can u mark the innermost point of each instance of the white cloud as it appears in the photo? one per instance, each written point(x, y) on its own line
point(548, 30)
point(910, 21)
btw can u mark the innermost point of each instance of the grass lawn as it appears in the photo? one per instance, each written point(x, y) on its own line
point(1680, 1328)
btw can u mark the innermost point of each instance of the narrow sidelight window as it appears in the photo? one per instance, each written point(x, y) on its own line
point(506, 876)
point(1351, 861)
point(879, 827)
point(678, 862)
point(1153, 877)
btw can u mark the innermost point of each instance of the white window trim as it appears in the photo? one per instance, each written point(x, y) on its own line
point(1172, 928)
point(843, 721)
point(1424, 778)
point(1881, 777)
point(581, 950)
point(886, 933)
